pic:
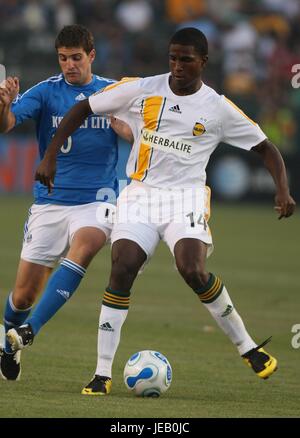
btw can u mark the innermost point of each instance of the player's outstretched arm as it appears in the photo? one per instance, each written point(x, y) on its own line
point(9, 90)
point(273, 161)
point(72, 120)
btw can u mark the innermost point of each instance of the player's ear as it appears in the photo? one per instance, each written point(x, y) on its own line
point(92, 55)
point(204, 60)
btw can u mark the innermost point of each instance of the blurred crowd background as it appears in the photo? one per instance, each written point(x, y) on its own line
point(253, 45)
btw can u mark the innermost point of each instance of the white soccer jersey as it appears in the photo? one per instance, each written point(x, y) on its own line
point(174, 136)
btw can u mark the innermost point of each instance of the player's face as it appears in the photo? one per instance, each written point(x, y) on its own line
point(186, 66)
point(76, 64)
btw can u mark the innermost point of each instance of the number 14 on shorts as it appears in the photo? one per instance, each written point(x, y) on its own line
point(197, 220)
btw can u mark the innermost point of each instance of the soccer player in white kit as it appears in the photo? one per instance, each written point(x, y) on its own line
point(177, 122)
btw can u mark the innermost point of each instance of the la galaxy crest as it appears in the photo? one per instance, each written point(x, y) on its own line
point(198, 129)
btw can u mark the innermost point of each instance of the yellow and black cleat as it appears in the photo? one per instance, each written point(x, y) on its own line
point(99, 385)
point(262, 363)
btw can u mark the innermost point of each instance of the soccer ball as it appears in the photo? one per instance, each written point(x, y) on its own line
point(148, 374)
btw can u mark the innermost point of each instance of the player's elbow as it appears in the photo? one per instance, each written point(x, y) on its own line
point(265, 149)
point(84, 108)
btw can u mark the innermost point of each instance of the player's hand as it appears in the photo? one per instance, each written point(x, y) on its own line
point(284, 205)
point(45, 172)
point(9, 90)
point(122, 129)
point(4, 97)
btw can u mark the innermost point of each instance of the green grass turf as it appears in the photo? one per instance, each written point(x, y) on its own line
point(257, 257)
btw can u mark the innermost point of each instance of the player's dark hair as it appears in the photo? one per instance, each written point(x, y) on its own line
point(75, 35)
point(190, 36)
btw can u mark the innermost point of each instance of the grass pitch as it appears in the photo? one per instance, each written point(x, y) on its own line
point(256, 256)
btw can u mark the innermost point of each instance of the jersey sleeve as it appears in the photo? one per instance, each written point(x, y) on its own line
point(29, 104)
point(115, 98)
point(237, 129)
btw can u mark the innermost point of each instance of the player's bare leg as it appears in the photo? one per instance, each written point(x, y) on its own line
point(86, 243)
point(30, 281)
point(127, 259)
point(190, 256)
point(63, 283)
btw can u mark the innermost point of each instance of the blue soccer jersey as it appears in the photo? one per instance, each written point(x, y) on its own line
point(87, 161)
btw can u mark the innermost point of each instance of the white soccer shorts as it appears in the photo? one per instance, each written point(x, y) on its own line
point(49, 230)
point(146, 215)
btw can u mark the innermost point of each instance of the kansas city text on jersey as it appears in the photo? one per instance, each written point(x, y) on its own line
point(94, 122)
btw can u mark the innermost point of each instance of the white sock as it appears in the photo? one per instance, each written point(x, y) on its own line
point(109, 332)
point(230, 322)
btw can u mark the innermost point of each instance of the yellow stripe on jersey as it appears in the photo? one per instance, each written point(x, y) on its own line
point(240, 111)
point(143, 162)
point(151, 112)
point(116, 84)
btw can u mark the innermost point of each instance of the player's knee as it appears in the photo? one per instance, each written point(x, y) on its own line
point(194, 276)
point(124, 269)
point(123, 273)
point(85, 254)
point(85, 245)
point(23, 297)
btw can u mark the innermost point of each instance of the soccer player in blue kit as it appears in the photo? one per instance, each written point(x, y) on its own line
point(74, 220)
